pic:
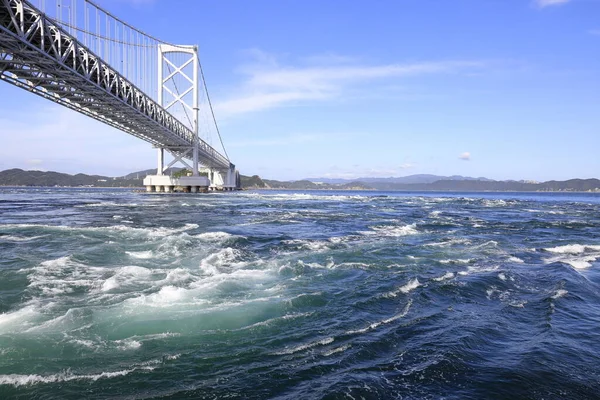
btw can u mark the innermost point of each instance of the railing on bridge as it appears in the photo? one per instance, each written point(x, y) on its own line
point(76, 53)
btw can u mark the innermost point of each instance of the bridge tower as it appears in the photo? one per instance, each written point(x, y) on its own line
point(178, 89)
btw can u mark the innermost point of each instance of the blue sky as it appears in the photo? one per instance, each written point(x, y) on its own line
point(505, 89)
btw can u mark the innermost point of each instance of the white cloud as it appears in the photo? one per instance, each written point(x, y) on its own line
point(546, 3)
point(268, 84)
point(466, 156)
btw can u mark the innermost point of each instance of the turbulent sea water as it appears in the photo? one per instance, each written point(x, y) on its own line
point(299, 295)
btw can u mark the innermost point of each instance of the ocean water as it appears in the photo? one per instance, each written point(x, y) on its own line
point(112, 294)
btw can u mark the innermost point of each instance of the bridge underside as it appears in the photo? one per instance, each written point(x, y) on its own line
point(37, 55)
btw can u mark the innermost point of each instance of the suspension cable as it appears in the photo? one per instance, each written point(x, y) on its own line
point(211, 107)
point(177, 90)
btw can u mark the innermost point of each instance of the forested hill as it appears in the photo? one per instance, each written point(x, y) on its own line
point(572, 185)
point(19, 177)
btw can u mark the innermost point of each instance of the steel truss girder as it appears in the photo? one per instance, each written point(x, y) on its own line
point(36, 54)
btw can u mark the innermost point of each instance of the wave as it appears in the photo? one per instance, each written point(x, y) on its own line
point(33, 379)
point(392, 230)
point(405, 289)
point(123, 229)
point(579, 256)
point(573, 249)
point(375, 325)
point(292, 350)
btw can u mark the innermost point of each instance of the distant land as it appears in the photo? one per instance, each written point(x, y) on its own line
point(19, 177)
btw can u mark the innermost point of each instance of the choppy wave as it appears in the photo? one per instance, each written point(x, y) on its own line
point(273, 294)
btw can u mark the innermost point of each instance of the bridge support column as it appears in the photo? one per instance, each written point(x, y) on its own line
point(161, 161)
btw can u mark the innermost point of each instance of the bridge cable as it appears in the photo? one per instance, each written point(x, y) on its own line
point(211, 107)
point(177, 90)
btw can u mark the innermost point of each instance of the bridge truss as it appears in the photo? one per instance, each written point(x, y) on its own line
point(52, 58)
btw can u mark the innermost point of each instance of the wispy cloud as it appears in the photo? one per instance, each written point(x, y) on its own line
point(546, 3)
point(466, 156)
point(268, 83)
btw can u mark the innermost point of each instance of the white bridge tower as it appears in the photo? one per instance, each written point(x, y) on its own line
point(178, 91)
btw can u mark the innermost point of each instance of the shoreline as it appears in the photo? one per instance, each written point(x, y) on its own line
point(142, 189)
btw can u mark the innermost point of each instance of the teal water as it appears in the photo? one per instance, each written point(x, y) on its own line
point(293, 295)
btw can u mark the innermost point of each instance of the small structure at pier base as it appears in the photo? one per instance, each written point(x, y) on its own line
point(167, 184)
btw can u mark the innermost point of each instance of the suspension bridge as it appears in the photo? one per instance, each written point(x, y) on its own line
point(79, 55)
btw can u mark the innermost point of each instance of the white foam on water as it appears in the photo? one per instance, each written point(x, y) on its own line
point(391, 230)
point(573, 249)
point(125, 276)
point(14, 238)
point(489, 243)
point(312, 245)
point(517, 303)
point(448, 243)
point(16, 321)
point(176, 276)
point(410, 286)
point(516, 260)
point(579, 256)
point(222, 261)
point(494, 203)
point(446, 276)
point(559, 293)
point(62, 276)
point(214, 236)
point(156, 336)
point(375, 325)
point(273, 320)
point(90, 344)
point(407, 288)
point(357, 265)
point(128, 344)
point(478, 269)
point(120, 229)
point(34, 379)
point(457, 261)
point(322, 342)
point(167, 295)
point(143, 255)
point(337, 350)
point(580, 263)
point(502, 276)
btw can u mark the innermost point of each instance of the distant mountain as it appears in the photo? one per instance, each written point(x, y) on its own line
point(19, 177)
point(152, 171)
point(419, 178)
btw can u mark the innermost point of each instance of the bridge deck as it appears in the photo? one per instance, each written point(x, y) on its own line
point(38, 55)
